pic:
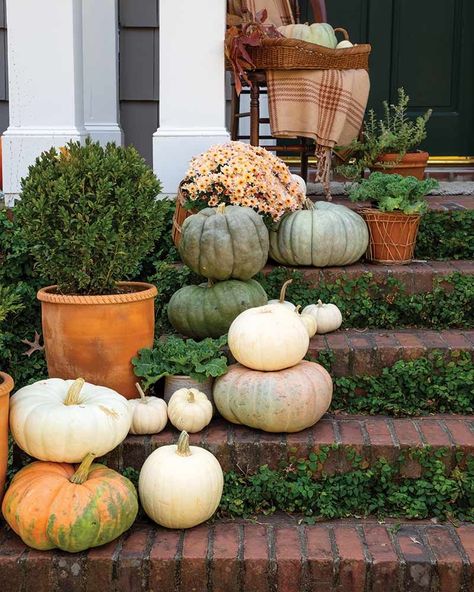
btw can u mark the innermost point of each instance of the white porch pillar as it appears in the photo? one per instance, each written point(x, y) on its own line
point(100, 42)
point(192, 85)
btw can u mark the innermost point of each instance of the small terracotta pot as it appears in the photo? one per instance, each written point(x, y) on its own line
point(392, 236)
point(95, 337)
point(6, 387)
point(412, 164)
point(174, 383)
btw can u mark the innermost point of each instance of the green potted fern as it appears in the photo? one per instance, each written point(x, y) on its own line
point(389, 145)
point(393, 220)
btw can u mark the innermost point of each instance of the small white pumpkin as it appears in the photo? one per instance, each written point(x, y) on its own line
point(149, 414)
point(180, 486)
point(319, 33)
point(344, 44)
point(301, 182)
point(281, 301)
point(308, 321)
point(64, 420)
point(328, 317)
point(189, 410)
point(268, 338)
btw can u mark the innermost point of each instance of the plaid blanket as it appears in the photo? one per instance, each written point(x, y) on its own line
point(327, 106)
point(279, 11)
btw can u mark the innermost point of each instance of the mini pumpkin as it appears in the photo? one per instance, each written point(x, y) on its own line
point(290, 400)
point(224, 242)
point(62, 420)
point(267, 338)
point(308, 321)
point(319, 33)
point(327, 316)
point(149, 414)
point(51, 505)
point(189, 410)
point(282, 300)
point(180, 486)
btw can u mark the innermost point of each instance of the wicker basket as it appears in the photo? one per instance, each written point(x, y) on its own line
point(392, 236)
point(293, 54)
point(180, 215)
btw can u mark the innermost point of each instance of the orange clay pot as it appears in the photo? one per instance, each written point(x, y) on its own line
point(413, 164)
point(95, 337)
point(6, 387)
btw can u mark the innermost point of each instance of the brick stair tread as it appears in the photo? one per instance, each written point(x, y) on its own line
point(440, 203)
point(273, 554)
point(362, 352)
point(372, 437)
point(416, 277)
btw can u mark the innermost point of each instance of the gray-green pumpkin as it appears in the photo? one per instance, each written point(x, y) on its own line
point(323, 234)
point(224, 242)
point(208, 310)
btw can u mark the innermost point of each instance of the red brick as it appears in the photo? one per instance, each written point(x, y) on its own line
point(412, 346)
point(422, 277)
point(226, 561)
point(135, 450)
point(456, 341)
point(469, 335)
point(352, 437)
point(384, 559)
point(338, 343)
point(320, 559)
point(163, 560)
point(216, 442)
point(432, 340)
point(449, 561)
point(274, 450)
point(462, 433)
point(256, 559)
point(194, 561)
point(408, 437)
point(131, 563)
point(67, 569)
point(352, 565)
point(100, 567)
point(466, 537)
point(12, 553)
point(289, 560)
point(299, 444)
point(465, 266)
point(388, 349)
point(433, 432)
point(381, 441)
point(418, 573)
point(323, 435)
point(362, 356)
point(246, 447)
point(165, 438)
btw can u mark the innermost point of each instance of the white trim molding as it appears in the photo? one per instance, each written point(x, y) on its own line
point(192, 86)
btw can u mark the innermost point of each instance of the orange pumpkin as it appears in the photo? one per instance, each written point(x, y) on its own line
point(50, 505)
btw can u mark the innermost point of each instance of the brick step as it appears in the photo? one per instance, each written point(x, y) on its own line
point(416, 277)
point(436, 203)
point(358, 352)
point(274, 555)
point(372, 438)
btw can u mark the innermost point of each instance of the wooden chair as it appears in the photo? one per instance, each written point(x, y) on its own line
point(258, 88)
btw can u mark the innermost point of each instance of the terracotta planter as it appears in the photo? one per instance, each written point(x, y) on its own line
point(392, 236)
point(95, 337)
point(412, 164)
point(174, 383)
point(6, 387)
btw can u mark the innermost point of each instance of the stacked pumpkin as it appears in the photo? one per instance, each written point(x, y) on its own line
point(228, 245)
point(272, 388)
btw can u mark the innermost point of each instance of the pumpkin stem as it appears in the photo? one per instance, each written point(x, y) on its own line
point(183, 445)
point(297, 309)
point(210, 283)
point(308, 204)
point(72, 397)
point(82, 473)
point(190, 396)
point(142, 394)
point(320, 303)
point(221, 208)
point(283, 290)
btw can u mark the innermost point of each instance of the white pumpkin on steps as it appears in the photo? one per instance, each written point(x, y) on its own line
point(327, 316)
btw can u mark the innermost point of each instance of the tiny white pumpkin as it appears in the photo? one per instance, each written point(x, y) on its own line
point(308, 321)
point(301, 182)
point(149, 414)
point(64, 420)
point(189, 410)
point(328, 317)
point(281, 301)
point(180, 486)
point(268, 338)
point(344, 44)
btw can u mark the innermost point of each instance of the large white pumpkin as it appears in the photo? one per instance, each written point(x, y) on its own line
point(319, 33)
point(64, 420)
point(268, 338)
point(180, 486)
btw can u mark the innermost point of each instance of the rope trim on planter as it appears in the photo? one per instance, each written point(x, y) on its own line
point(143, 291)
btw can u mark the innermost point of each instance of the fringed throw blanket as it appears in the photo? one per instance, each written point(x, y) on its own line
point(325, 105)
point(279, 11)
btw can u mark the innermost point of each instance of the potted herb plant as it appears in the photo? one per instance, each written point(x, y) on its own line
point(184, 363)
point(398, 203)
point(389, 145)
point(89, 216)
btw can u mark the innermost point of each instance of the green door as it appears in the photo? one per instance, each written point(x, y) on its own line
point(426, 46)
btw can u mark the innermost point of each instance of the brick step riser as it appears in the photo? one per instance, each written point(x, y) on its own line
point(245, 557)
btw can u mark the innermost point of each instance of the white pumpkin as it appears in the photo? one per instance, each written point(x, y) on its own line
point(149, 414)
point(301, 182)
point(319, 33)
point(328, 317)
point(180, 486)
point(308, 321)
point(344, 44)
point(268, 338)
point(64, 420)
point(281, 301)
point(189, 410)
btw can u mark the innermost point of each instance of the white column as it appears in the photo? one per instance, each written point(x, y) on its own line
point(192, 85)
point(45, 69)
point(100, 42)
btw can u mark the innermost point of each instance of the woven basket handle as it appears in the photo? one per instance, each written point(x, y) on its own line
point(343, 31)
